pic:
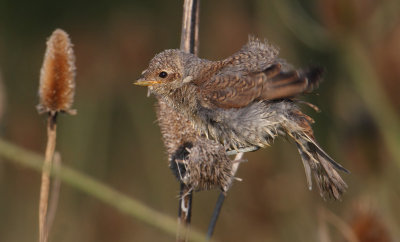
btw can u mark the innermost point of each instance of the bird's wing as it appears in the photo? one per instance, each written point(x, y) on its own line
point(236, 91)
point(254, 56)
point(231, 91)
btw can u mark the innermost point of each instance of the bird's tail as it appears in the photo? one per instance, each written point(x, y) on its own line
point(318, 162)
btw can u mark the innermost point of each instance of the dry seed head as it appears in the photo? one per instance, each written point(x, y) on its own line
point(368, 224)
point(57, 76)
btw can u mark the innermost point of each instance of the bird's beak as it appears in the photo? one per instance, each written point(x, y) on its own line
point(143, 82)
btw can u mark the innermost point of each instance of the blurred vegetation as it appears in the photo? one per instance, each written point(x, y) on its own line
point(115, 139)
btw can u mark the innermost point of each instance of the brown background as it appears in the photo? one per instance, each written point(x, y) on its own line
point(115, 139)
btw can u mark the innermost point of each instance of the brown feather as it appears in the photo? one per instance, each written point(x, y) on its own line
point(316, 161)
point(236, 91)
point(273, 70)
point(289, 84)
point(232, 91)
point(245, 101)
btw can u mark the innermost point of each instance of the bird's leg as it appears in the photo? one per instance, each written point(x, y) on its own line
point(179, 169)
point(242, 150)
point(239, 161)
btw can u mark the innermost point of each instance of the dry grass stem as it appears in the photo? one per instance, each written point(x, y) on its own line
point(45, 185)
point(323, 232)
point(54, 193)
point(327, 216)
point(190, 26)
point(184, 214)
point(189, 43)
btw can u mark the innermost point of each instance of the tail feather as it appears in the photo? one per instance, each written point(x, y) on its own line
point(322, 153)
point(315, 159)
point(324, 168)
point(306, 164)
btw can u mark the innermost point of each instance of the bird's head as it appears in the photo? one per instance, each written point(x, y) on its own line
point(165, 73)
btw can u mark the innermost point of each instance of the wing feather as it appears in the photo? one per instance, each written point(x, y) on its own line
point(236, 91)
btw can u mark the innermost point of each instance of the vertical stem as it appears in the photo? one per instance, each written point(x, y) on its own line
point(189, 43)
point(190, 26)
point(45, 185)
point(184, 213)
point(376, 101)
point(54, 193)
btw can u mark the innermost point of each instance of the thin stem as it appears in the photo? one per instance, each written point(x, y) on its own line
point(337, 222)
point(104, 193)
point(189, 43)
point(368, 86)
point(303, 26)
point(45, 185)
point(221, 198)
point(184, 213)
point(190, 26)
point(54, 194)
point(215, 215)
point(323, 233)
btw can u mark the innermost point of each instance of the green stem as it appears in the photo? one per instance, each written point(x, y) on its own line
point(377, 103)
point(96, 189)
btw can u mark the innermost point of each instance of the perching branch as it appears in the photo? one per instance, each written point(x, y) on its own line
point(189, 43)
point(190, 26)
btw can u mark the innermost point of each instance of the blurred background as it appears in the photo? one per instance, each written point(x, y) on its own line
point(115, 138)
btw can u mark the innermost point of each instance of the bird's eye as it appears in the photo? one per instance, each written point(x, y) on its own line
point(163, 74)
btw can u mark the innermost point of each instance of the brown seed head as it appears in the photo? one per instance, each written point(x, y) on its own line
point(368, 225)
point(57, 76)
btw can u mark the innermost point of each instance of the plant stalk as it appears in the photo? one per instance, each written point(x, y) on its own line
point(45, 184)
point(189, 43)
